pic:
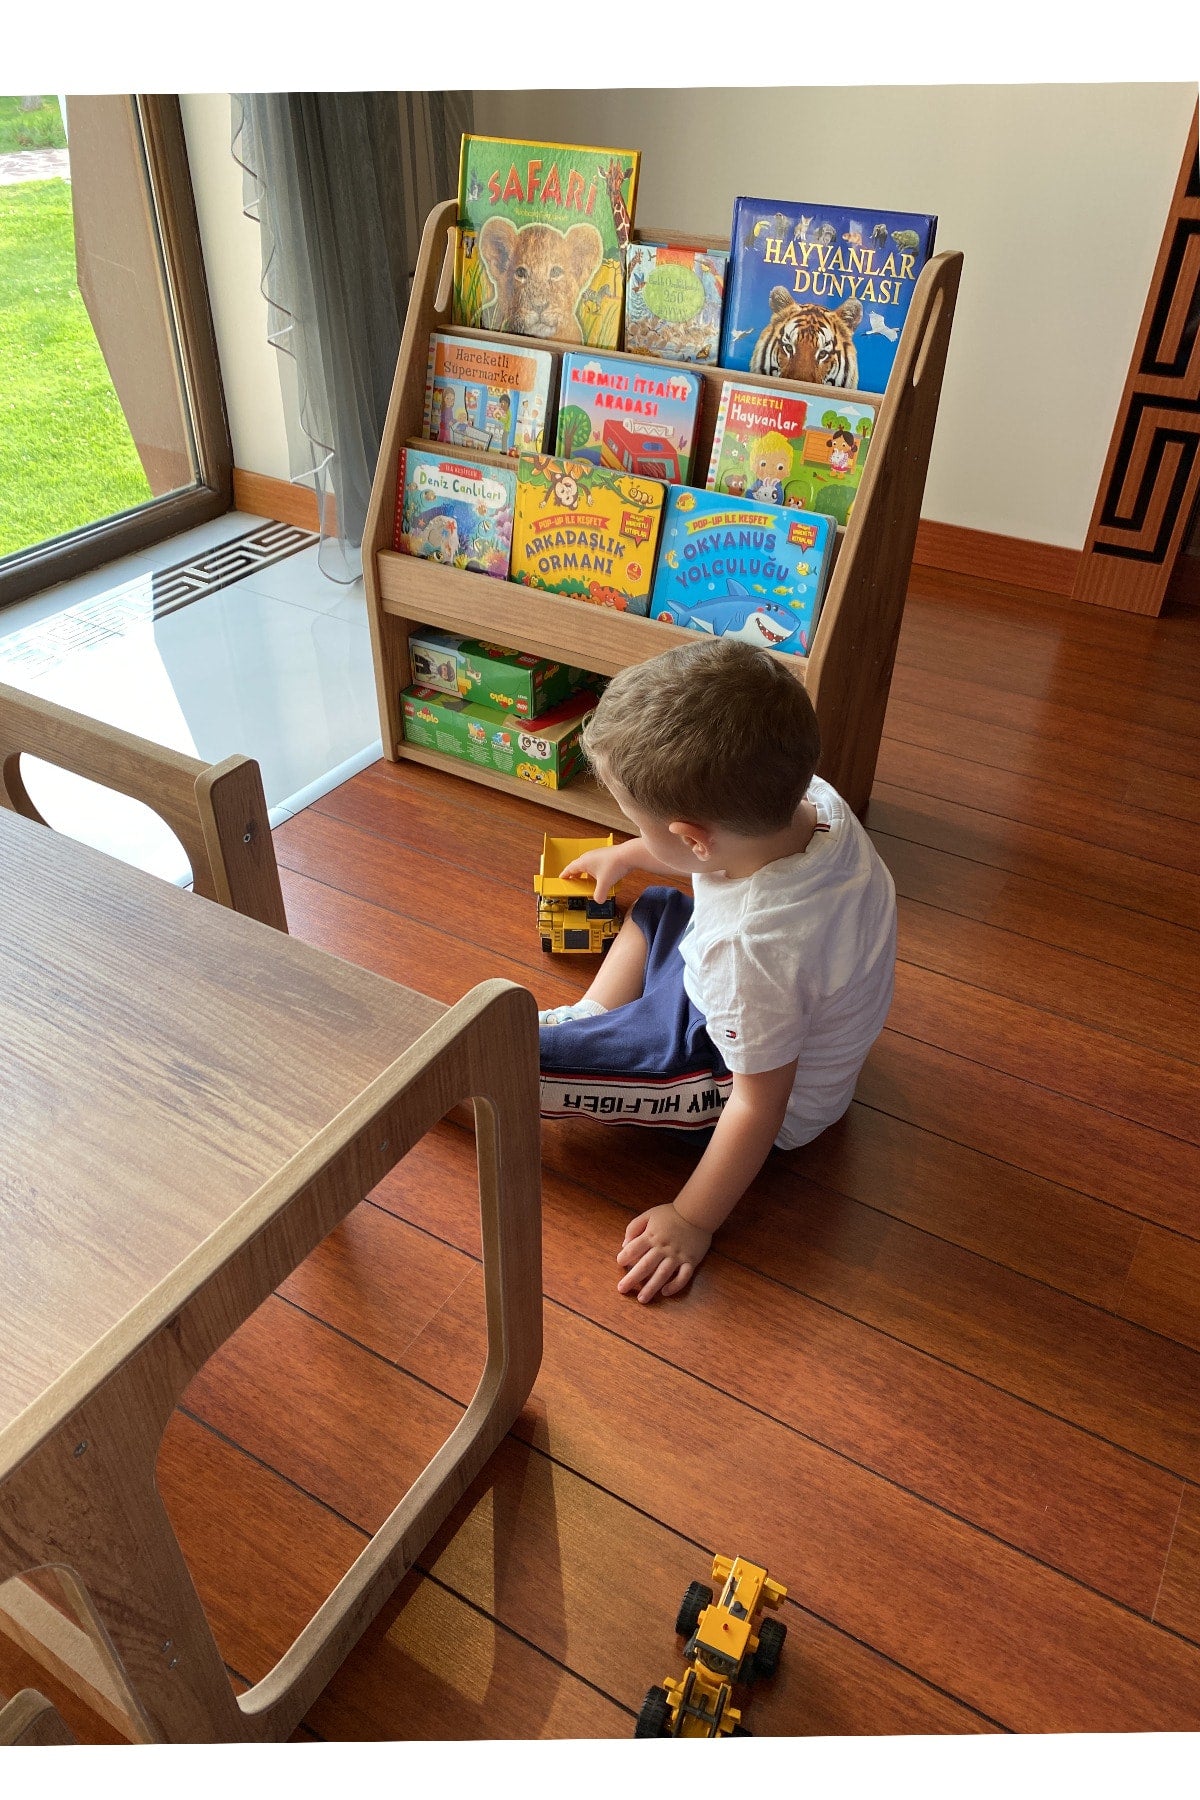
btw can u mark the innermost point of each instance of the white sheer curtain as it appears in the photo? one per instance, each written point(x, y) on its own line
point(340, 185)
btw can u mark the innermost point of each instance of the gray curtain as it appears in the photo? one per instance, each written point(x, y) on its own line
point(340, 185)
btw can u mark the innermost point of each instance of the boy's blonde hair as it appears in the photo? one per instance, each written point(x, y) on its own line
point(716, 733)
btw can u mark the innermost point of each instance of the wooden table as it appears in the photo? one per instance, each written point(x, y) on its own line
point(189, 1103)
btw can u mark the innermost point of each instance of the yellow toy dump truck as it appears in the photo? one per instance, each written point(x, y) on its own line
point(724, 1643)
point(569, 920)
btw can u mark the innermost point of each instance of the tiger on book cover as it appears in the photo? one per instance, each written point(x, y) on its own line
point(805, 342)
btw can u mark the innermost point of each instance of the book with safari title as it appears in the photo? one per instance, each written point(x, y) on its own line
point(585, 531)
point(542, 231)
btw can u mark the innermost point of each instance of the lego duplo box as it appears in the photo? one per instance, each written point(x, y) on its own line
point(545, 750)
point(511, 681)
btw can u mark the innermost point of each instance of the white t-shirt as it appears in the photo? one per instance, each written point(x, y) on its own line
point(798, 960)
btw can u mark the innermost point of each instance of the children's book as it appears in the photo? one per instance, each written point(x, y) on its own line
point(487, 396)
point(627, 415)
point(820, 293)
point(804, 450)
point(455, 509)
point(586, 531)
point(742, 569)
point(542, 230)
point(673, 301)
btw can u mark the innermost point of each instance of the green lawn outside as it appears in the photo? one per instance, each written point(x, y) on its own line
point(41, 130)
point(66, 456)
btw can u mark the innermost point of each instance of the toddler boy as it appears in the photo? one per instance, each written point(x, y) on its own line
point(749, 1010)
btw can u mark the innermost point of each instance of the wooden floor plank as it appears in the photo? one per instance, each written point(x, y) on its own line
point(1163, 1288)
point(1115, 1160)
point(431, 1667)
point(859, 1389)
point(546, 1553)
point(262, 1554)
point(1032, 850)
point(1179, 1601)
point(1015, 730)
point(1054, 1053)
point(1150, 1014)
point(1112, 936)
point(340, 1423)
point(1079, 817)
point(1024, 1645)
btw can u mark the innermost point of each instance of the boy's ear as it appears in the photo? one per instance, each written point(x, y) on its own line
point(696, 838)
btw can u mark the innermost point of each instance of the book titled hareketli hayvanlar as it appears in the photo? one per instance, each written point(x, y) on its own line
point(821, 293)
point(798, 449)
point(542, 231)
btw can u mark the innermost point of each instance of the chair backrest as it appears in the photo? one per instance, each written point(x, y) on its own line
point(29, 1718)
point(218, 811)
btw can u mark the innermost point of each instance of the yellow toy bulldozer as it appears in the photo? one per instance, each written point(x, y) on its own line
point(569, 920)
point(724, 1643)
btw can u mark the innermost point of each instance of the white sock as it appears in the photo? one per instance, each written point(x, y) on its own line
point(582, 1009)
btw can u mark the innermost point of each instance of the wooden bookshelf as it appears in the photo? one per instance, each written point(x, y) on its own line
point(848, 671)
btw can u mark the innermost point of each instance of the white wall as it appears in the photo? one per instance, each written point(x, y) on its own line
point(233, 264)
point(1057, 196)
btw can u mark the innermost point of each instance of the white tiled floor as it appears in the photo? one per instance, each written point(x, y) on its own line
point(277, 666)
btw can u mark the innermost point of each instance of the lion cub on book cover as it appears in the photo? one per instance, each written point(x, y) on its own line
point(538, 274)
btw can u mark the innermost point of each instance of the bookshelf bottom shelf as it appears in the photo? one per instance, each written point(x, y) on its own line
point(583, 797)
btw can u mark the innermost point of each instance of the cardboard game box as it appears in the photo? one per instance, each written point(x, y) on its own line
point(511, 681)
point(546, 750)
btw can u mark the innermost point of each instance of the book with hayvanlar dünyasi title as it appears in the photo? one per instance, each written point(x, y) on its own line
point(820, 293)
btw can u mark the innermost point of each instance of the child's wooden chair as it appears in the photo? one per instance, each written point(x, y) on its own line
point(218, 811)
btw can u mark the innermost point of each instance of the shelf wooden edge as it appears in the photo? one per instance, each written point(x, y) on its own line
point(569, 631)
point(583, 798)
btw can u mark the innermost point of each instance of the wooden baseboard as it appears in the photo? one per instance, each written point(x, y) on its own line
point(1019, 562)
point(269, 498)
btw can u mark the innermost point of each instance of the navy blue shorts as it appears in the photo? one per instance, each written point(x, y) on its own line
point(650, 1062)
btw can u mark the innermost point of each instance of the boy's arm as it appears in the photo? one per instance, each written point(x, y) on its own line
point(608, 867)
point(664, 1246)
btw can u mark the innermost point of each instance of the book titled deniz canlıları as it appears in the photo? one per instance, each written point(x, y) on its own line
point(749, 570)
point(821, 293)
point(797, 449)
point(487, 396)
point(456, 509)
point(542, 230)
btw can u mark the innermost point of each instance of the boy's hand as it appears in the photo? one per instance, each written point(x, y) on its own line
point(605, 866)
point(661, 1252)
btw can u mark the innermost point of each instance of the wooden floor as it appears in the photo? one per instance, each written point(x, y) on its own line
point(941, 1372)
